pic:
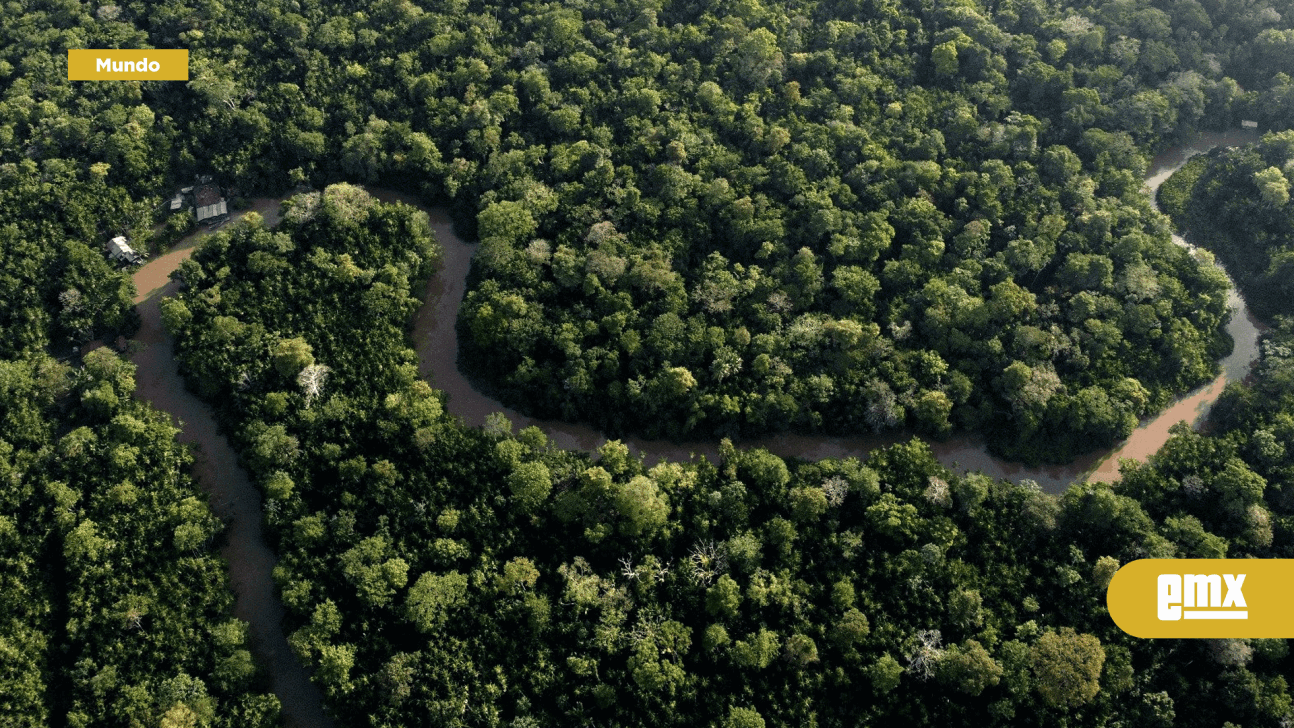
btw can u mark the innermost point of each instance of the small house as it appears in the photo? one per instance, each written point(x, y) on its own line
point(212, 213)
point(120, 251)
point(209, 206)
point(177, 203)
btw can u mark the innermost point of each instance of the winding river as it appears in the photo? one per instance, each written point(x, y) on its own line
point(1243, 327)
point(437, 345)
point(233, 497)
point(237, 501)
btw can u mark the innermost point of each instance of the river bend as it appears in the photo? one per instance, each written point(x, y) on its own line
point(238, 502)
point(233, 497)
point(436, 341)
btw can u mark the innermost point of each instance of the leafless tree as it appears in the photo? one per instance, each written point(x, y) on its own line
point(312, 380)
point(627, 569)
point(835, 488)
point(922, 661)
point(708, 561)
point(881, 412)
point(661, 572)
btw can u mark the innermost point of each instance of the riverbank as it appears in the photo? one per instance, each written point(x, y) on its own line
point(236, 500)
point(436, 342)
point(233, 497)
point(1244, 329)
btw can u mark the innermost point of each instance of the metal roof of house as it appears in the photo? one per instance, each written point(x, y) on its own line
point(119, 249)
point(206, 212)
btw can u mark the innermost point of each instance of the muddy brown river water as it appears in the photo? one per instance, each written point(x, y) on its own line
point(236, 500)
point(233, 497)
point(1243, 327)
point(437, 345)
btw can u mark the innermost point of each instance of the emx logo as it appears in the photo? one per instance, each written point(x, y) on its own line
point(1203, 594)
point(1217, 598)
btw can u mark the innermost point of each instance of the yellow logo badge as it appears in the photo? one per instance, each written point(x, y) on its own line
point(1217, 598)
point(118, 64)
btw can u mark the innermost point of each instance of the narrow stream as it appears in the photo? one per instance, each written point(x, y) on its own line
point(233, 497)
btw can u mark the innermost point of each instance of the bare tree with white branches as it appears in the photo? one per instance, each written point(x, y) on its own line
point(708, 561)
point(312, 380)
point(922, 661)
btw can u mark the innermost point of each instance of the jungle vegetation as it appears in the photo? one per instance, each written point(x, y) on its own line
point(730, 219)
point(707, 219)
point(115, 608)
point(443, 575)
point(1235, 202)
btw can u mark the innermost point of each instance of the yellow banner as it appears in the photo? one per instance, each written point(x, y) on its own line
point(114, 64)
point(1218, 598)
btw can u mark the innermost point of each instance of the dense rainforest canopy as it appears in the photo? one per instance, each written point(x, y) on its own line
point(695, 219)
point(1236, 203)
point(731, 218)
point(440, 575)
point(113, 609)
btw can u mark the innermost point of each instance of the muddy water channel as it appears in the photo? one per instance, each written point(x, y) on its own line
point(237, 501)
point(1243, 327)
point(233, 497)
point(437, 345)
point(436, 342)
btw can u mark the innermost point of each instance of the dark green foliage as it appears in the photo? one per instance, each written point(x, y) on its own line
point(1174, 196)
point(115, 607)
point(834, 237)
point(700, 220)
point(421, 571)
point(828, 216)
point(718, 221)
point(1236, 203)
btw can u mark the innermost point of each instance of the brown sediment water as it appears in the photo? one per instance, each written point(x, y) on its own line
point(1243, 327)
point(157, 272)
point(1191, 409)
point(435, 337)
point(436, 342)
point(233, 497)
